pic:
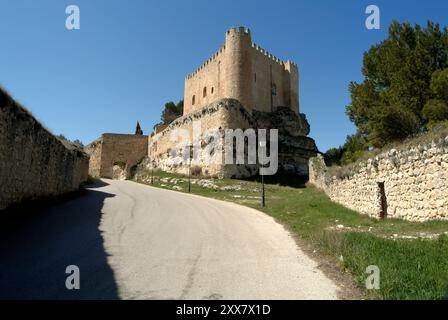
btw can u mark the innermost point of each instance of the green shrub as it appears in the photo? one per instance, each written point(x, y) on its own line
point(439, 84)
point(435, 111)
point(394, 124)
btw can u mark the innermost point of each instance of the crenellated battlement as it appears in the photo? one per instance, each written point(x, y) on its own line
point(242, 70)
point(239, 30)
point(215, 56)
point(271, 56)
point(221, 50)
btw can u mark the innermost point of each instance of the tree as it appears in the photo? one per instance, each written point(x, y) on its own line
point(353, 148)
point(172, 111)
point(439, 84)
point(180, 107)
point(78, 143)
point(138, 130)
point(435, 111)
point(393, 123)
point(70, 144)
point(333, 156)
point(401, 74)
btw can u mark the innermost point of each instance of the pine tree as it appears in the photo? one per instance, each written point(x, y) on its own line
point(401, 75)
point(138, 130)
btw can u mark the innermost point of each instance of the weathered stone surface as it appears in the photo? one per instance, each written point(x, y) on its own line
point(294, 148)
point(33, 162)
point(415, 183)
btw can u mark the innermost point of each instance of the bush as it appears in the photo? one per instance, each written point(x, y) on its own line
point(439, 84)
point(394, 124)
point(435, 111)
point(333, 156)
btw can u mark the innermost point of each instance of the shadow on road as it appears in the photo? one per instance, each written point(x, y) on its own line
point(36, 248)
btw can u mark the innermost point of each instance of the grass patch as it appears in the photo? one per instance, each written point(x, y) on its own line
point(409, 269)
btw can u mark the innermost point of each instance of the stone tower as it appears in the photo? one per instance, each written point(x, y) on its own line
point(238, 67)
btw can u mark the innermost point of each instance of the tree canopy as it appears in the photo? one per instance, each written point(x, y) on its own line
point(405, 86)
point(138, 129)
point(172, 111)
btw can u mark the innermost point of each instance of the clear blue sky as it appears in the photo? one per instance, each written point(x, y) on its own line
point(130, 57)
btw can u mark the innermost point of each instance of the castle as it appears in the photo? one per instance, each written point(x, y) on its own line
point(243, 71)
point(240, 86)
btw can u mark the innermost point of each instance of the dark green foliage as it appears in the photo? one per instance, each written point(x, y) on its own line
point(394, 123)
point(138, 129)
point(439, 84)
point(352, 149)
point(172, 111)
point(435, 111)
point(401, 74)
point(333, 156)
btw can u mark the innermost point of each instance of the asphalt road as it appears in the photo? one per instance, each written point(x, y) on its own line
point(132, 241)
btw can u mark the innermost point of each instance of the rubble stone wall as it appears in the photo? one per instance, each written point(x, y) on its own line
point(409, 184)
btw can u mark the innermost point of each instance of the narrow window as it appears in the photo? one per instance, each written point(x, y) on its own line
point(193, 100)
point(213, 89)
point(255, 77)
point(383, 200)
point(204, 92)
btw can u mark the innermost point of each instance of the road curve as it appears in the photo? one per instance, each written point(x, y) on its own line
point(132, 241)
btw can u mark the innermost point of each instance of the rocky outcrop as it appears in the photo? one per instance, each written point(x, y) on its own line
point(295, 148)
point(33, 162)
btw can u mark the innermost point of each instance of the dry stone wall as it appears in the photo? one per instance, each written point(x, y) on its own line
point(33, 162)
point(409, 184)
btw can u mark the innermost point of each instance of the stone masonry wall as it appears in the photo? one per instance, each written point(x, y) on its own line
point(409, 184)
point(33, 162)
point(116, 155)
point(221, 115)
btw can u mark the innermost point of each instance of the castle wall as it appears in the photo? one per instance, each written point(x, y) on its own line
point(294, 147)
point(220, 115)
point(414, 183)
point(33, 162)
point(125, 150)
point(268, 73)
point(243, 71)
point(209, 76)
